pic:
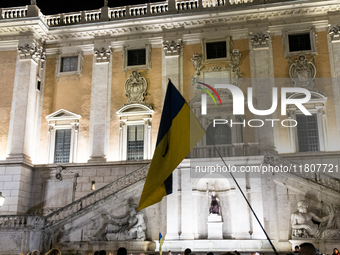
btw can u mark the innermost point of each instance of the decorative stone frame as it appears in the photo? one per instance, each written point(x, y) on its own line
point(135, 114)
point(317, 105)
point(147, 65)
point(312, 36)
point(58, 177)
point(79, 71)
point(62, 119)
point(204, 49)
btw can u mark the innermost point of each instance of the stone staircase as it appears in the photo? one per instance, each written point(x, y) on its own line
point(76, 208)
point(314, 175)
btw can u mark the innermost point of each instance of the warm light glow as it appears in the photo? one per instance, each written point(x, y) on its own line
point(93, 185)
point(2, 199)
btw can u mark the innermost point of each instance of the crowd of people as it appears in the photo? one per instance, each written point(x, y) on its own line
point(303, 249)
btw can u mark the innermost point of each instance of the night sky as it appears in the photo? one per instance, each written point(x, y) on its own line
point(60, 6)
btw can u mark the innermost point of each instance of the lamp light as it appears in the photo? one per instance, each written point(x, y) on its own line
point(2, 199)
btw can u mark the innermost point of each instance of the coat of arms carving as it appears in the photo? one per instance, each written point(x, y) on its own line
point(302, 72)
point(135, 88)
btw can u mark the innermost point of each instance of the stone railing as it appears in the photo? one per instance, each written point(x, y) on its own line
point(14, 12)
point(21, 221)
point(30, 221)
point(226, 150)
point(310, 172)
point(156, 8)
point(96, 196)
point(321, 178)
point(134, 11)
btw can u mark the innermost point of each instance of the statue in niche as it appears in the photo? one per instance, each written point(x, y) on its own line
point(135, 88)
point(302, 72)
point(304, 227)
point(214, 204)
point(131, 226)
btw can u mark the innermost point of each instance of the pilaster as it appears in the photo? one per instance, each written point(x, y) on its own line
point(173, 64)
point(22, 123)
point(100, 104)
point(334, 59)
point(262, 80)
point(186, 204)
point(172, 210)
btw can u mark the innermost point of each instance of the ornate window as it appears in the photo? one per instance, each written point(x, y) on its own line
point(299, 42)
point(310, 134)
point(69, 64)
point(135, 142)
point(137, 57)
point(62, 137)
point(135, 120)
point(216, 50)
point(307, 130)
point(135, 131)
point(220, 134)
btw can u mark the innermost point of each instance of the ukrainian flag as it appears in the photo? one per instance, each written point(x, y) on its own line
point(178, 133)
point(161, 241)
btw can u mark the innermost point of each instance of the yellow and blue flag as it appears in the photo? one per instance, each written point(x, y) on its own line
point(179, 132)
point(161, 241)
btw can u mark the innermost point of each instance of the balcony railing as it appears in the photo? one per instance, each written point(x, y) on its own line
point(133, 11)
point(226, 150)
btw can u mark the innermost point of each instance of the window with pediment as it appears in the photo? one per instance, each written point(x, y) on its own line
point(63, 128)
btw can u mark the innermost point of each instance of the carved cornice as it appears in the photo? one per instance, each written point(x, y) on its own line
point(102, 54)
point(31, 51)
point(334, 33)
point(172, 48)
point(259, 40)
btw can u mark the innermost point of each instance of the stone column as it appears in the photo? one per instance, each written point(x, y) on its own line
point(186, 202)
point(334, 59)
point(172, 210)
point(21, 129)
point(100, 104)
point(172, 63)
point(262, 75)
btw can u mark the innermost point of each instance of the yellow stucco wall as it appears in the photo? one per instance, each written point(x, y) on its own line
point(153, 77)
point(322, 82)
point(71, 93)
point(7, 73)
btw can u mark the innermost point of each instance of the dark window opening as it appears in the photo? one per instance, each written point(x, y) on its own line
point(220, 134)
point(299, 42)
point(69, 64)
point(62, 146)
point(38, 85)
point(307, 129)
point(216, 50)
point(136, 57)
point(135, 142)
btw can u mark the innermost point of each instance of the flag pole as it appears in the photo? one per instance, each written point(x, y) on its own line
point(238, 186)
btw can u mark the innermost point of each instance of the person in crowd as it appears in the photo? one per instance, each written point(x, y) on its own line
point(335, 251)
point(210, 253)
point(35, 252)
point(296, 250)
point(122, 251)
point(102, 252)
point(187, 251)
point(307, 249)
point(53, 251)
point(96, 253)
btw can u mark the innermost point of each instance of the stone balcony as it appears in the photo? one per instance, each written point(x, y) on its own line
point(169, 7)
point(226, 150)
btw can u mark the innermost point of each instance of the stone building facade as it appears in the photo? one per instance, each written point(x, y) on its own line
point(80, 105)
